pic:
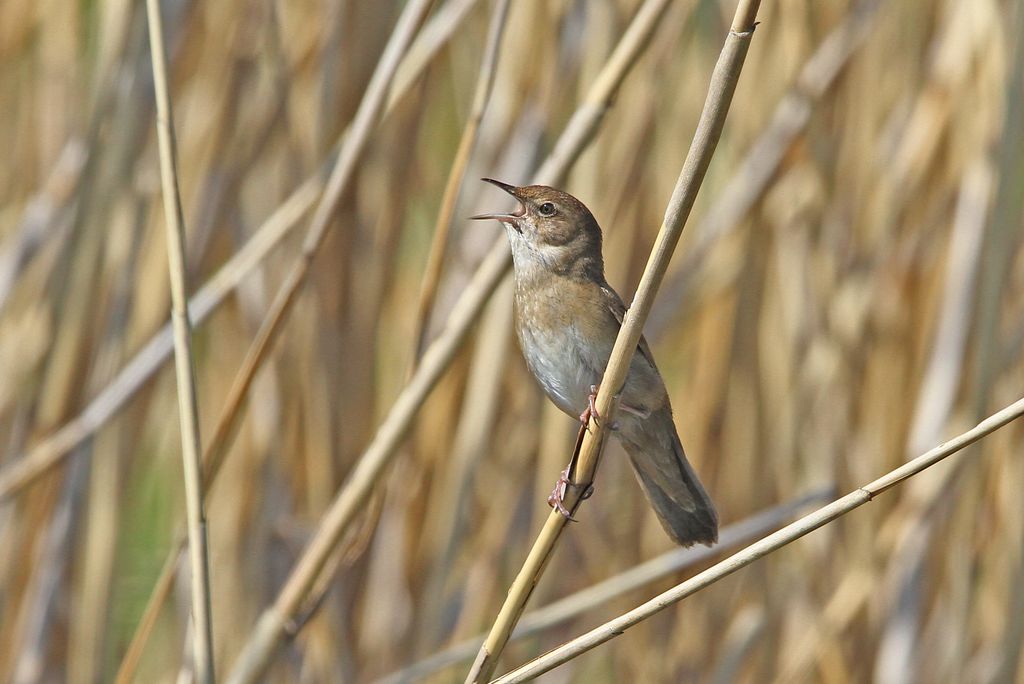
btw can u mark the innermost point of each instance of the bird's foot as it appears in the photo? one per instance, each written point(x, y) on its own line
point(590, 413)
point(557, 498)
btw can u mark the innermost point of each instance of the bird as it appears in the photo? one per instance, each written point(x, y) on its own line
point(567, 317)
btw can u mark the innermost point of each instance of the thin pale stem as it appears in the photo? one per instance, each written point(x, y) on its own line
point(202, 643)
point(705, 140)
point(759, 549)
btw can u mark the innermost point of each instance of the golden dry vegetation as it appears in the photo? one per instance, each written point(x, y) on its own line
point(847, 294)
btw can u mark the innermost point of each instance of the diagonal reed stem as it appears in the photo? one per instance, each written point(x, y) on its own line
point(709, 129)
point(188, 413)
point(772, 542)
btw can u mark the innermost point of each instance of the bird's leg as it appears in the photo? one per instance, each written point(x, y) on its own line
point(591, 410)
point(557, 498)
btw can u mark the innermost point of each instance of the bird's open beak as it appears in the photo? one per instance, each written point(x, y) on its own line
point(510, 218)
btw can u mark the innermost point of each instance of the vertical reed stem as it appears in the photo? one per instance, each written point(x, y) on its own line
point(188, 413)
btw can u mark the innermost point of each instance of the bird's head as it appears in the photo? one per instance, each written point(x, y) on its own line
point(550, 228)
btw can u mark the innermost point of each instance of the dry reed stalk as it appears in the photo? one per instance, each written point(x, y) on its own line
point(600, 594)
point(188, 410)
point(773, 542)
point(270, 628)
point(442, 227)
point(705, 140)
point(57, 445)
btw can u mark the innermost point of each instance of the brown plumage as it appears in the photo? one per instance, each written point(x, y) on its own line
point(567, 319)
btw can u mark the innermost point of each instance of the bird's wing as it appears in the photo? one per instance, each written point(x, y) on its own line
point(618, 310)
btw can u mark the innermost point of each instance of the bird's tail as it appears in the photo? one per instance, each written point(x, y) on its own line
point(670, 483)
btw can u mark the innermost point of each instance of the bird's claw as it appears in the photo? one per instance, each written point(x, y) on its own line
point(591, 412)
point(557, 498)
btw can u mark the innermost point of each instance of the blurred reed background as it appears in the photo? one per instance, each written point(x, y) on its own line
point(847, 295)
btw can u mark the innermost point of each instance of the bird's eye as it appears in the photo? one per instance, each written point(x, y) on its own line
point(547, 209)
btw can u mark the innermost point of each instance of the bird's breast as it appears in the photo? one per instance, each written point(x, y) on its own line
point(554, 347)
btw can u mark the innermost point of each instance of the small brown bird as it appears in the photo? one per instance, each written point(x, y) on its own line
point(567, 318)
